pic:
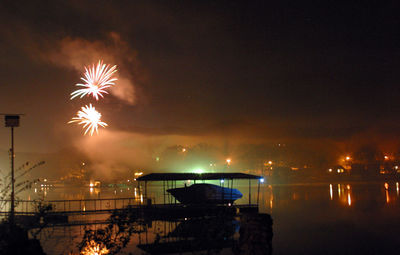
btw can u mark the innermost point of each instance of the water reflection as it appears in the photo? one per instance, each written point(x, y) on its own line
point(360, 216)
point(271, 195)
point(219, 234)
point(115, 236)
point(339, 218)
point(387, 197)
point(271, 199)
point(349, 198)
point(340, 194)
point(191, 235)
point(93, 248)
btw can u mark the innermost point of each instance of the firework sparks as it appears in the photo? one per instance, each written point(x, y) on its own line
point(89, 118)
point(97, 79)
point(94, 248)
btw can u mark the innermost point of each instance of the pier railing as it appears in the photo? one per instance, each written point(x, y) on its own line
point(89, 206)
point(70, 206)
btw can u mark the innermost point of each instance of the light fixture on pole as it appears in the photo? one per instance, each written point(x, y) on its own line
point(12, 120)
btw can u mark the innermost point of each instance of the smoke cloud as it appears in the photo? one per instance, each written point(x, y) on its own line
point(76, 53)
point(114, 154)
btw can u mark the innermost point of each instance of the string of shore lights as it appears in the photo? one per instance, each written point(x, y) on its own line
point(97, 79)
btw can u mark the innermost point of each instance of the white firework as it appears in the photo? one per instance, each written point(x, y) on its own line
point(97, 79)
point(89, 118)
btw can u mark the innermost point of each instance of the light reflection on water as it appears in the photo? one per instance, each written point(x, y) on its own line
point(331, 218)
point(270, 195)
point(341, 195)
point(344, 218)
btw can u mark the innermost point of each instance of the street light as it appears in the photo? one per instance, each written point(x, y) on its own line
point(12, 120)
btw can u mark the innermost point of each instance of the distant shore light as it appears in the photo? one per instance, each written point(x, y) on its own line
point(198, 171)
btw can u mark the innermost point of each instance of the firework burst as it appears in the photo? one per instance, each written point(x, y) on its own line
point(89, 118)
point(94, 248)
point(97, 79)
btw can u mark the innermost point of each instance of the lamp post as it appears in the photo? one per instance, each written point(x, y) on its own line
point(12, 121)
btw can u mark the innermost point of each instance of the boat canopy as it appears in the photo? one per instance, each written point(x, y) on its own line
point(195, 176)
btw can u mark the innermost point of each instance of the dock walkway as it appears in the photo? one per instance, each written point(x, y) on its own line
point(64, 212)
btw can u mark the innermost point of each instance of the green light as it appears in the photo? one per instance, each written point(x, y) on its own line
point(198, 171)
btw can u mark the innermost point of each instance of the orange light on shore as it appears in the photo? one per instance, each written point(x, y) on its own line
point(386, 185)
point(228, 161)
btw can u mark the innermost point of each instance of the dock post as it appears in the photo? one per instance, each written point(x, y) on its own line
point(249, 191)
point(168, 195)
point(163, 182)
point(231, 188)
point(145, 190)
point(258, 191)
point(140, 193)
point(174, 188)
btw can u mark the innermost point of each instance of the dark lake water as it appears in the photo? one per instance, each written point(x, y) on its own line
point(361, 218)
point(344, 218)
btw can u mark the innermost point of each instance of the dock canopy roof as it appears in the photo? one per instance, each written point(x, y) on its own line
point(195, 176)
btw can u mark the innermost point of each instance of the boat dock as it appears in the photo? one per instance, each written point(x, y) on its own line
point(63, 211)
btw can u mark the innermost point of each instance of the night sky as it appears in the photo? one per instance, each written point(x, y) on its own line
point(317, 73)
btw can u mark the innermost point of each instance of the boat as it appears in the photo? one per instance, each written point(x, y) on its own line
point(204, 193)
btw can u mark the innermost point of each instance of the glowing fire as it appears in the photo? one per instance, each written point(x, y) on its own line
point(89, 118)
point(97, 79)
point(94, 248)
